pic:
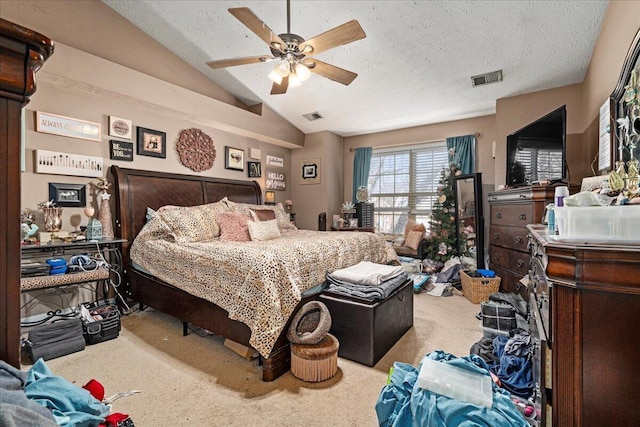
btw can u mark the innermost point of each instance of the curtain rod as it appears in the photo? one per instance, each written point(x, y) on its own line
point(478, 135)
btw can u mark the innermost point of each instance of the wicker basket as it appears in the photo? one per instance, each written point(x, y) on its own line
point(478, 289)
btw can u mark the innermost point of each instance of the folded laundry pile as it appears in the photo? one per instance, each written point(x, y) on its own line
point(367, 280)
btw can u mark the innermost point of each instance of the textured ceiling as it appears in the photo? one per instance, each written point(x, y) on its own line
point(414, 66)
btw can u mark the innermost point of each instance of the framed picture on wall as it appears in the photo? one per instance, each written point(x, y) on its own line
point(152, 143)
point(310, 171)
point(233, 158)
point(254, 169)
point(68, 195)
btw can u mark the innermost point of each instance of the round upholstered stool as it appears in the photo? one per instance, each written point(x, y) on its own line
point(315, 362)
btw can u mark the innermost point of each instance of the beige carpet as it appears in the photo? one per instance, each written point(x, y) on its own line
point(197, 381)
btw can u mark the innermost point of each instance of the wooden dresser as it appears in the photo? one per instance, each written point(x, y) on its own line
point(22, 53)
point(510, 212)
point(592, 293)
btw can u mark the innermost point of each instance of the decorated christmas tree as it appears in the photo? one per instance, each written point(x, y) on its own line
point(443, 216)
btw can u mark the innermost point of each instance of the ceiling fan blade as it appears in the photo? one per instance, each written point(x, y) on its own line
point(332, 72)
point(223, 63)
point(251, 21)
point(279, 89)
point(343, 34)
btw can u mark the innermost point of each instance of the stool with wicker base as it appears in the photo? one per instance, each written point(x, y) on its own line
point(315, 362)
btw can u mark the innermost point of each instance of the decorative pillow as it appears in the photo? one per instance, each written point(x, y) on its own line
point(284, 223)
point(413, 239)
point(262, 214)
point(193, 223)
point(264, 230)
point(413, 226)
point(233, 226)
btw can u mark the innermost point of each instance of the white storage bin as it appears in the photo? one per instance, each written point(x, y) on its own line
point(456, 383)
point(598, 224)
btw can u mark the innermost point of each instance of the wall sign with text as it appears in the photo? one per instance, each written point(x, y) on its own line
point(276, 180)
point(122, 151)
point(66, 126)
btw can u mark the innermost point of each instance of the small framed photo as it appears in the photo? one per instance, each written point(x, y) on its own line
point(120, 128)
point(310, 171)
point(68, 195)
point(353, 222)
point(254, 169)
point(152, 143)
point(234, 158)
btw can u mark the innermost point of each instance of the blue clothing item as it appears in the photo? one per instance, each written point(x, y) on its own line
point(71, 405)
point(403, 404)
point(515, 372)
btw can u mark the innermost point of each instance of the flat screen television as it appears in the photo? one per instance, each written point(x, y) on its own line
point(537, 152)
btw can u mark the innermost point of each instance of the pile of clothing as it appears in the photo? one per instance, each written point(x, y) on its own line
point(403, 403)
point(509, 358)
point(39, 398)
point(367, 280)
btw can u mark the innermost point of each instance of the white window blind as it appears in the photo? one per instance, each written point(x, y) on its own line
point(403, 184)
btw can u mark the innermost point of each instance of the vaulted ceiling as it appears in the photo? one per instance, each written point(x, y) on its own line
point(414, 66)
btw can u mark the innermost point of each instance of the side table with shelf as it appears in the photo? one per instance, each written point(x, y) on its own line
point(108, 248)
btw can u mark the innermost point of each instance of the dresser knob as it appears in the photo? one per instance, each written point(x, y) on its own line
point(522, 216)
point(520, 263)
point(519, 239)
point(496, 236)
point(499, 215)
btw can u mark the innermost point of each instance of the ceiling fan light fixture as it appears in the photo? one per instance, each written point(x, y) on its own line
point(302, 72)
point(275, 77)
point(294, 80)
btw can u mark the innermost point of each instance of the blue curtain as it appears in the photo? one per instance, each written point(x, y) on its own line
point(464, 152)
point(361, 165)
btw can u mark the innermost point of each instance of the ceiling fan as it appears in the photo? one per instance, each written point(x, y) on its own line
point(294, 52)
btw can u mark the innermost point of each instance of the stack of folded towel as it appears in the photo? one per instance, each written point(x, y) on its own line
point(367, 280)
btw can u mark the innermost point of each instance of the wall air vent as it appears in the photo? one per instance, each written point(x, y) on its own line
point(313, 116)
point(484, 79)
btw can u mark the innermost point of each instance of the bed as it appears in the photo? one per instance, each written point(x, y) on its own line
point(137, 190)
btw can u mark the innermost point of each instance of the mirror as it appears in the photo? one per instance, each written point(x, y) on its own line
point(625, 109)
point(470, 220)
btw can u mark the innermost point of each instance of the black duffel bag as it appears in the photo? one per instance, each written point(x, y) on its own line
point(499, 316)
point(55, 339)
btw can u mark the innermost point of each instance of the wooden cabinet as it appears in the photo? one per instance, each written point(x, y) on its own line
point(594, 302)
point(510, 213)
point(22, 53)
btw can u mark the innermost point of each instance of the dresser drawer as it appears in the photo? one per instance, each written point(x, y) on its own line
point(517, 262)
point(509, 237)
point(512, 214)
point(509, 281)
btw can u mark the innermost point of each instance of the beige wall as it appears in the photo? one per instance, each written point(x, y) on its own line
point(437, 132)
point(516, 112)
point(312, 199)
point(618, 30)
point(79, 85)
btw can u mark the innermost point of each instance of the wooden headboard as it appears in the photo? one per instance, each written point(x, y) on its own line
point(135, 190)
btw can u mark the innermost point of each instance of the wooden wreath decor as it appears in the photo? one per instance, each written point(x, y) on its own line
point(196, 150)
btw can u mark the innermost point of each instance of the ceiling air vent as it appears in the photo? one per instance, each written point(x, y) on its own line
point(313, 116)
point(484, 79)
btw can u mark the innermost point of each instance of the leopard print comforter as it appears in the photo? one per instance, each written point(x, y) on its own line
point(259, 283)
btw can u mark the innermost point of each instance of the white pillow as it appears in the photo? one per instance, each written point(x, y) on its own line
point(263, 230)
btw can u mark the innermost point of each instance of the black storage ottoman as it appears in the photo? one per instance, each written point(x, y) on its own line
point(366, 331)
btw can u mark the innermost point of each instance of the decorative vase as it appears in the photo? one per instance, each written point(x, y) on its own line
point(52, 219)
point(105, 216)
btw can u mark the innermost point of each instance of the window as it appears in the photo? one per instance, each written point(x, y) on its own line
point(403, 184)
